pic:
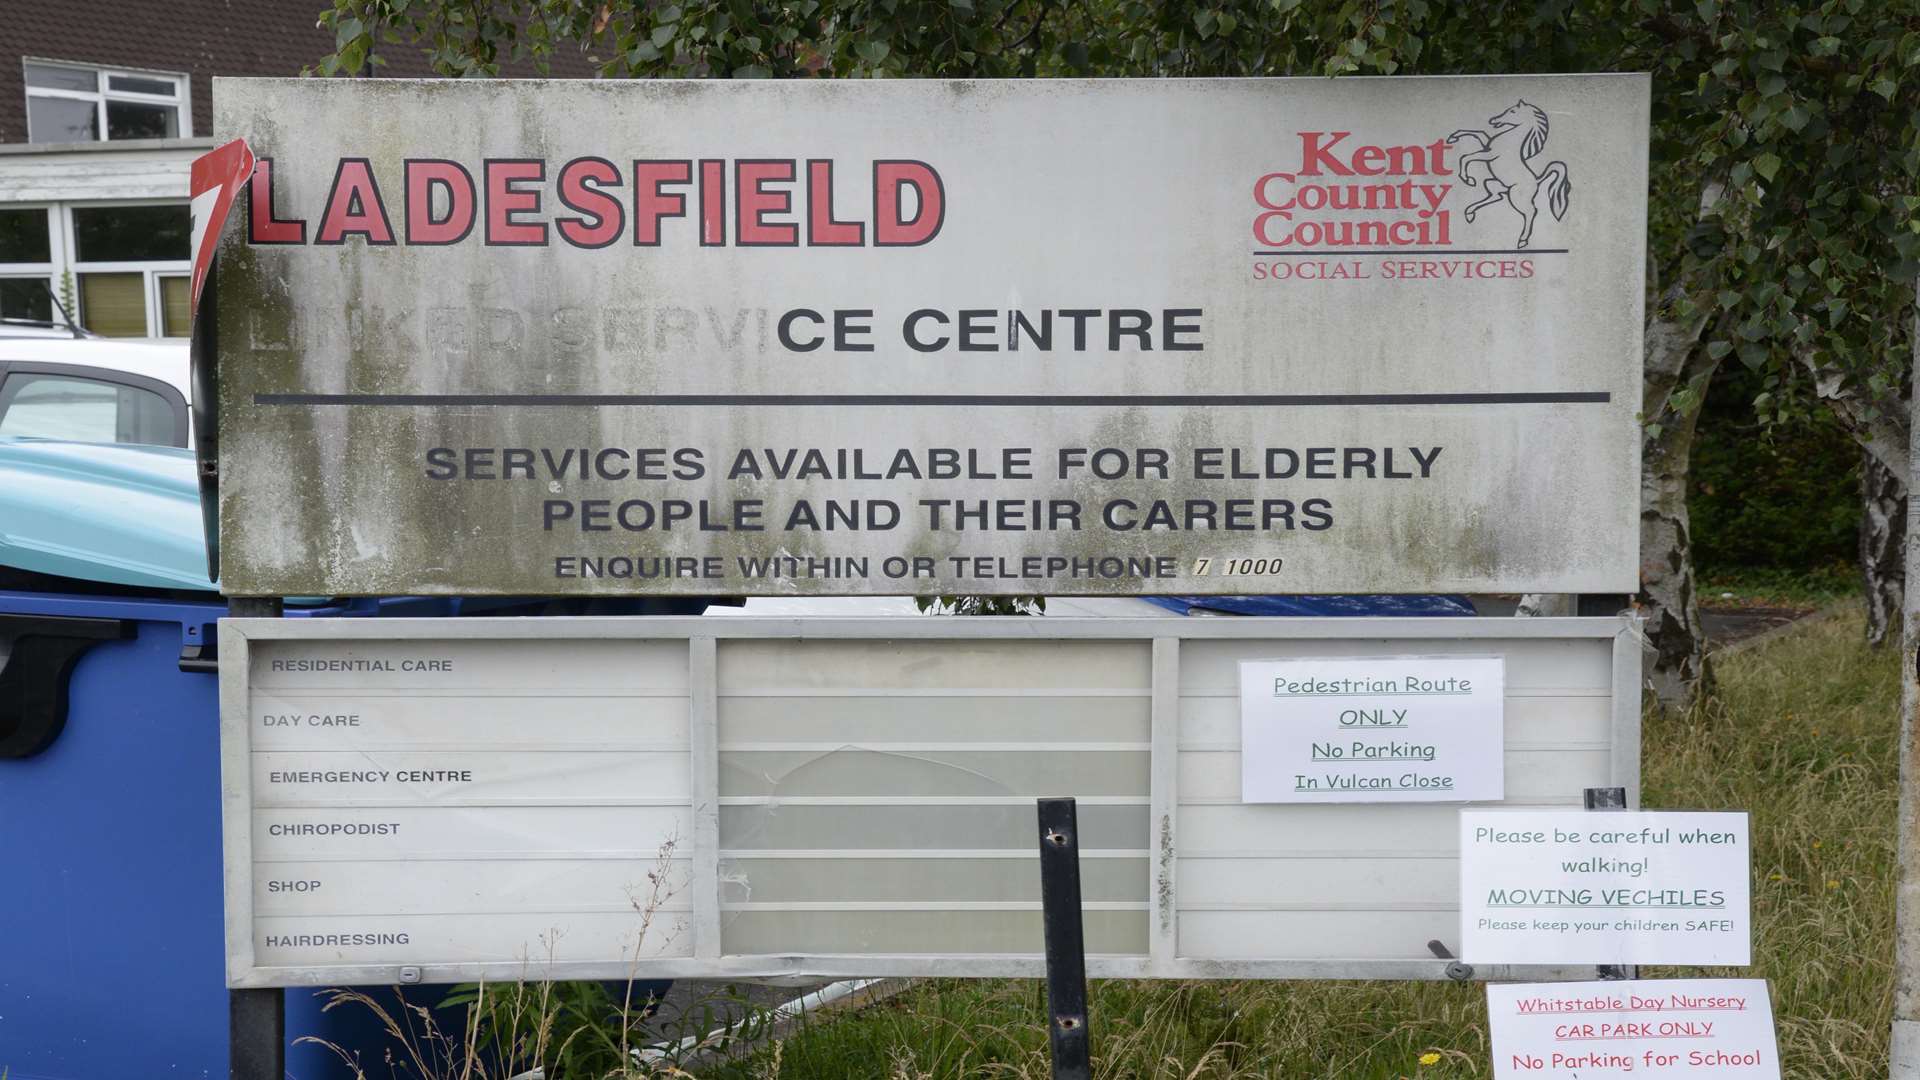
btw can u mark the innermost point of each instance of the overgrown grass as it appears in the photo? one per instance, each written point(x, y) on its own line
point(1803, 736)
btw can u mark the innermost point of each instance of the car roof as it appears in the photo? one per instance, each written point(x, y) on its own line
point(120, 513)
point(162, 360)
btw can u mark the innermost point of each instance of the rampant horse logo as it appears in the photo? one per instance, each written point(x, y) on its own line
point(1519, 135)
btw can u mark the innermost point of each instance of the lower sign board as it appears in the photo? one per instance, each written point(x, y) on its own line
point(1377, 729)
point(1673, 1028)
point(748, 797)
point(1616, 888)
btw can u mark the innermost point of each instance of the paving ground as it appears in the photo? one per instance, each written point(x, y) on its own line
point(1725, 625)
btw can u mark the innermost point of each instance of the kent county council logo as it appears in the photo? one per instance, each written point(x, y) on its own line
point(1519, 135)
point(1355, 210)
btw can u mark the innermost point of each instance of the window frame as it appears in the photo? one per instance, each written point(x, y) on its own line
point(102, 93)
point(151, 270)
point(49, 271)
point(176, 402)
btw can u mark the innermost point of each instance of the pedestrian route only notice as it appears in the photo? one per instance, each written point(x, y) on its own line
point(1382, 729)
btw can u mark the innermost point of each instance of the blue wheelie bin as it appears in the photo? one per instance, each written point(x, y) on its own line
point(112, 938)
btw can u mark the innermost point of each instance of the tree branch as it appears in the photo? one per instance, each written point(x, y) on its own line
point(1882, 433)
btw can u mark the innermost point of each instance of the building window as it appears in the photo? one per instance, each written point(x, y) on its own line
point(26, 264)
point(69, 103)
point(131, 264)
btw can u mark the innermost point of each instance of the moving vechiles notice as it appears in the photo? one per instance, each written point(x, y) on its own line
point(1567, 887)
point(1662, 1028)
point(1384, 729)
point(1220, 336)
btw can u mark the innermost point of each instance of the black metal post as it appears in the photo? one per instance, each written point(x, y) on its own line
point(256, 1034)
point(1606, 798)
point(1610, 798)
point(1065, 941)
point(256, 1019)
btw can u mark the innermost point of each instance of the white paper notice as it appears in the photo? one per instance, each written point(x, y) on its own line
point(1394, 729)
point(1673, 1028)
point(1571, 887)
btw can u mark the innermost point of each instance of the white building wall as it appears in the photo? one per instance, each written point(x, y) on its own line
point(62, 177)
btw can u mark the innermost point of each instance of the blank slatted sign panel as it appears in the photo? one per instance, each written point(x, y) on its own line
point(878, 797)
point(447, 800)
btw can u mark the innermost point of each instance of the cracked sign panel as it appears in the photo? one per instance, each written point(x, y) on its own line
point(914, 337)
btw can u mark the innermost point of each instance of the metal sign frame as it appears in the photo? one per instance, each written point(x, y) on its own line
point(704, 637)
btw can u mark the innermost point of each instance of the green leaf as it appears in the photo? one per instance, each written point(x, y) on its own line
point(354, 56)
point(873, 51)
point(752, 71)
point(1719, 349)
point(1766, 165)
point(1885, 87)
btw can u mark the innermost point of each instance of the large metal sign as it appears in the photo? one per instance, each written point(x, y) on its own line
point(1209, 336)
point(443, 800)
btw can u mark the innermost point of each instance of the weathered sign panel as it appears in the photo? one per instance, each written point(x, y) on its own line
point(748, 797)
point(1207, 336)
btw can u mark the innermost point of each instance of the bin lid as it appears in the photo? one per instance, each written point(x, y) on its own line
point(117, 513)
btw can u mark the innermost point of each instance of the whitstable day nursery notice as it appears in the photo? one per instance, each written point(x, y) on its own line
point(1720, 1028)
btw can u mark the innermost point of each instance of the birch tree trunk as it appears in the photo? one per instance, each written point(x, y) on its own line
point(1883, 544)
point(1904, 1056)
point(1884, 435)
point(1677, 371)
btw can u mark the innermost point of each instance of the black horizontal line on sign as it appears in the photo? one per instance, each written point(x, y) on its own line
point(1437, 251)
point(1581, 397)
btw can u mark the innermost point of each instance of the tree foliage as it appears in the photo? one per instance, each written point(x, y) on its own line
point(1800, 120)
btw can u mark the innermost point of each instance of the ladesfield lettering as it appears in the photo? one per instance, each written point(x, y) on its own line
point(592, 202)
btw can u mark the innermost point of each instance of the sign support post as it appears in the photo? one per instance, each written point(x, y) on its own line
point(256, 1034)
point(1905, 1057)
point(1065, 943)
point(256, 1019)
point(1609, 798)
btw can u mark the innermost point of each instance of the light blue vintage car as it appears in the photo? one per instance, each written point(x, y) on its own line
point(114, 513)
